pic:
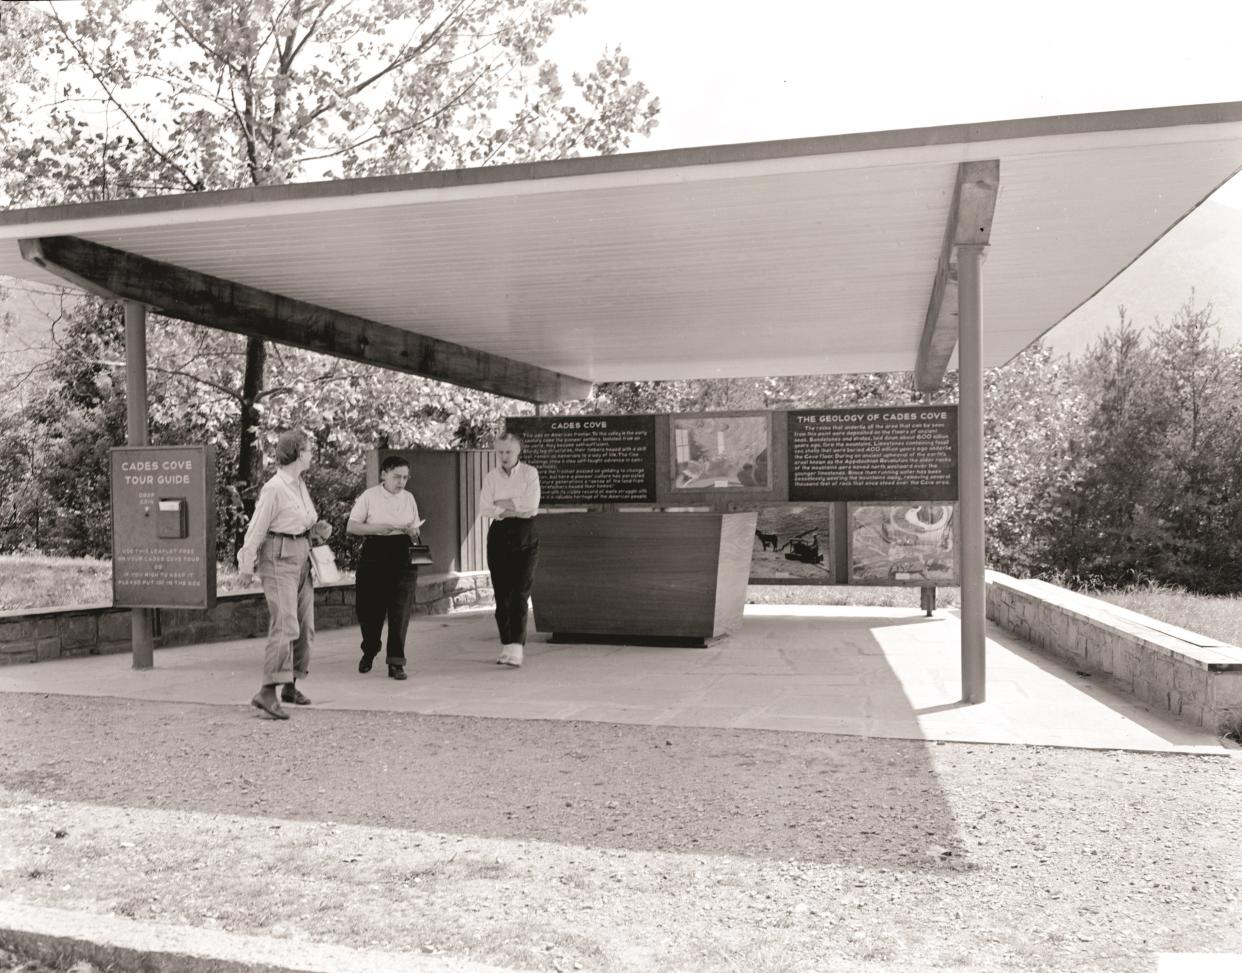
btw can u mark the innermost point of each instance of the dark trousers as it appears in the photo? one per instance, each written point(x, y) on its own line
point(512, 552)
point(384, 592)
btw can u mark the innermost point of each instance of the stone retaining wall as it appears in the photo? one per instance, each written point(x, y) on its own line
point(1190, 676)
point(57, 633)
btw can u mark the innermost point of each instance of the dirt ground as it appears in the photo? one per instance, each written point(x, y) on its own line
point(539, 845)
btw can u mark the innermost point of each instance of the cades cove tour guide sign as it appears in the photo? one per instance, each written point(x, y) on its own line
point(163, 527)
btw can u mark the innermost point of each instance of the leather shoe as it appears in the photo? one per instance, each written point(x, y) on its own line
point(272, 708)
point(364, 664)
point(291, 694)
point(397, 672)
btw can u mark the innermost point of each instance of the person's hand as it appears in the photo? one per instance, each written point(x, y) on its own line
point(245, 579)
point(321, 531)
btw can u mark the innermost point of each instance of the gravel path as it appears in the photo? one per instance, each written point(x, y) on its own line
point(559, 846)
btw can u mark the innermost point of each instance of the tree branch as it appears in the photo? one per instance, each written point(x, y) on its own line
point(310, 32)
point(207, 48)
point(388, 133)
point(193, 184)
point(224, 390)
point(404, 57)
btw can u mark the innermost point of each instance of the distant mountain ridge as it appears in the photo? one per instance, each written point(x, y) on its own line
point(1203, 253)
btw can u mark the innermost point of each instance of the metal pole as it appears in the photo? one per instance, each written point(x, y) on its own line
point(970, 473)
point(141, 628)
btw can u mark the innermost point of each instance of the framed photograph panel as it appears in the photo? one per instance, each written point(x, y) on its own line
point(911, 543)
point(726, 452)
point(793, 544)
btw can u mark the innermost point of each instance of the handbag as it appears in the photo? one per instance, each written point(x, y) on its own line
point(420, 554)
point(323, 565)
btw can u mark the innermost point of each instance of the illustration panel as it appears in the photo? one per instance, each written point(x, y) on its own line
point(793, 542)
point(903, 543)
point(725, 452)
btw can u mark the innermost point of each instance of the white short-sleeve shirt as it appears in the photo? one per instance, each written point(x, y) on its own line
point(377, 506)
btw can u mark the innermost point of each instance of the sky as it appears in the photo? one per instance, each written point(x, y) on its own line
point(731, 72)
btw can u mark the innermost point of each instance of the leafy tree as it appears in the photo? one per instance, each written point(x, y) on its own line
point(127, 99)
point(1032, 415)
point(1111, 531)
point(55, 450)
point(1202, 442)
point(1151, 490)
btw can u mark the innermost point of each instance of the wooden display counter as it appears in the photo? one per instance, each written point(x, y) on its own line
point(648, 576)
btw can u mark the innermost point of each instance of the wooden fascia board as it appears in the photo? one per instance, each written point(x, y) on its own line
point(969, 224)
point(217, 303)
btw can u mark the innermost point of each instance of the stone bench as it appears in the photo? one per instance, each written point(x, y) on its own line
point(37, 634)
point(1193, 677)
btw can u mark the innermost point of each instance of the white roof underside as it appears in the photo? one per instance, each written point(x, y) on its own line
point(782, 258)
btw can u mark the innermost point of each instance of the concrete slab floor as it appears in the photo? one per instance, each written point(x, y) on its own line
point(884, 672)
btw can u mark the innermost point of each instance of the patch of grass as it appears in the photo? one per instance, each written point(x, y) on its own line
point(1218, 616)
point(874, 596)
point(43, 581)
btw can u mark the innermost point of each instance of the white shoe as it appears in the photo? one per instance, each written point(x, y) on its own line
point(511, 655)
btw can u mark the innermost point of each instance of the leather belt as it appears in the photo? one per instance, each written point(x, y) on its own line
point(289, 537)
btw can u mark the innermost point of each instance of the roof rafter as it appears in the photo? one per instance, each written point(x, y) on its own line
point(969, 223)
point(217, 303)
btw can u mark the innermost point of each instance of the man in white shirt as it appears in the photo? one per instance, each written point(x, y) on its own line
point(510, 496)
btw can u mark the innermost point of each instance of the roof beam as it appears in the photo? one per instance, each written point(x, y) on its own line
point(192, 296)
point(970, 222)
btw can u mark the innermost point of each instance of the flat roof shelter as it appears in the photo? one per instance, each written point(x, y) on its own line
point(824, 255)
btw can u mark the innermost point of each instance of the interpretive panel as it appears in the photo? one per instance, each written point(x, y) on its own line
point(590, 459)
point(721, 452)
point(904, 543)
point(873, 454)
point(163, 527)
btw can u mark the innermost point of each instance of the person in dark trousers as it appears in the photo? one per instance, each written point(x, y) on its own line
point(510, 496)
point(277, 548)
point(386, 515)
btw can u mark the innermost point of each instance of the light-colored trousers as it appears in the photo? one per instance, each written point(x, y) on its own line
point(283, 567)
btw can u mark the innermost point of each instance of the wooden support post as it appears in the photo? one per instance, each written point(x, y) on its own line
point(927, 599)
point(970, 222)
point(840, 542)
point(970, 481)
point(141, 628)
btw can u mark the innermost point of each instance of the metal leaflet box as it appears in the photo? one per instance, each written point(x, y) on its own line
point(173, 519)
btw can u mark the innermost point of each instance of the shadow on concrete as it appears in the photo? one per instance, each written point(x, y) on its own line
point(1105, 692)
point(942, 708)
point(706, 789)
point(637, 748)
